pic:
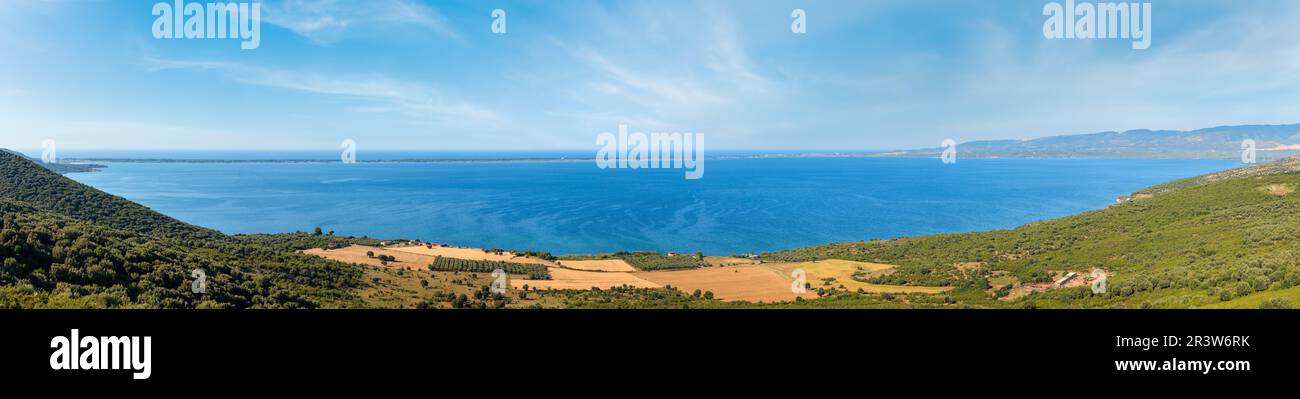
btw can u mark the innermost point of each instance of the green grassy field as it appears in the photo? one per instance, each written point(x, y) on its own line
point(1288, 297)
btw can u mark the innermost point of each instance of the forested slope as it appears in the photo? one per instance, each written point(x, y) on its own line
point(24, 180)
point(1190, 243)
point(63, 244)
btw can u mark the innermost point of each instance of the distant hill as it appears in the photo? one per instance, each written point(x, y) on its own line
point(1224, 142)
point(60, 167)
point(1202, 241)
point(67, 245)
point(24, 180)
point(1281, 166)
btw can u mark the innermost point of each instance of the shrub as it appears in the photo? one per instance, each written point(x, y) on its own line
point(1277, 303)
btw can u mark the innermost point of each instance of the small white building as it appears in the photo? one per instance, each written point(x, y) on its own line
point(1068, 276)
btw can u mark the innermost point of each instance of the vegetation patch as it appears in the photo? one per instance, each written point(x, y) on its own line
point(648, 260)
point(445, 264)
point(1278, 189)
point(846, 275)
point(1200, 241)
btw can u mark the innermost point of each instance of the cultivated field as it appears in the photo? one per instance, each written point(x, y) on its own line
point(584, 280)
point(605, 265)
point(400, 288)
point(746, 282)
point(419, 258)
point(735, 283)
point(728, 261)
point(357, 254)
point(842, 272)
point(470, 253)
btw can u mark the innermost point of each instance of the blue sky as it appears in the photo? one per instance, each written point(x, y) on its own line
point(404, 74)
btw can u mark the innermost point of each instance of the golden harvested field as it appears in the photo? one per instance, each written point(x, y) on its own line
point(735, 283)
point(754, 283)
point(728, 261)
point(583, 280)
point(419, 258)
point(469, 253)
point(842, 271)
point(357, 254)
point(392, 288)
point(605, 265)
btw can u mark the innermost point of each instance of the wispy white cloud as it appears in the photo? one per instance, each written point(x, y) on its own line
point(326, 21)
point(727, 58)
point(1221, 73)
point(380, 93)
point(116, 134)
point(646, 88)
point(685, 67)
point(880, 74)
point(160, 64)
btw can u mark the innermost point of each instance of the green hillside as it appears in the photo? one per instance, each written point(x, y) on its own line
point(26, 181)
point(1190, 243)
point(51, 260)
point(59, 167)
point(66, 245)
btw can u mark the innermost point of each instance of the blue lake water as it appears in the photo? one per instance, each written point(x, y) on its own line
point(741, 205)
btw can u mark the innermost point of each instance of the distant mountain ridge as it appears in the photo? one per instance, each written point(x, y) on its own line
point(1272, 142)
point(1223, 142)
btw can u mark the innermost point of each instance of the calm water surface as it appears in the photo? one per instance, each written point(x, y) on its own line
point(741, 205)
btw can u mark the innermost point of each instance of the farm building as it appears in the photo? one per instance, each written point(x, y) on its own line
point(1068, 276)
